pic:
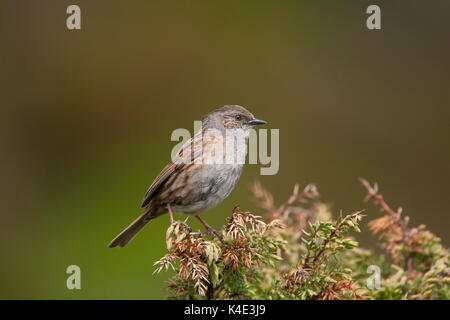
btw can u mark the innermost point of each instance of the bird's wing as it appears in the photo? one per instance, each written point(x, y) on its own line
point(158, 182)
point(173, 166)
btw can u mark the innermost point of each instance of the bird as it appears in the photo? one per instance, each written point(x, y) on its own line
point(201, 175)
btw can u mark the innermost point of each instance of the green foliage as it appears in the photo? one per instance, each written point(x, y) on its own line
point(205, 268)
point(302, 253)
point(319, 273)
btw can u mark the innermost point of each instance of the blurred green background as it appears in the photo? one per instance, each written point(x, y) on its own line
point(86, 118)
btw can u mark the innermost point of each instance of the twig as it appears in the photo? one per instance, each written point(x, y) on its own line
point(333, 233)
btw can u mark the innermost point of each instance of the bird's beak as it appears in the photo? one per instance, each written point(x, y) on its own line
point(254, 122)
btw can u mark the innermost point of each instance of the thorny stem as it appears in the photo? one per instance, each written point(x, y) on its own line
point(308, 249)
point(333, 233)
point(406, 233)
point(372, 192)
point(308, 192)
point(290, 201)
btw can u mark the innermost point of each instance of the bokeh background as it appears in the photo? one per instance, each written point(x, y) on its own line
point(86, 118)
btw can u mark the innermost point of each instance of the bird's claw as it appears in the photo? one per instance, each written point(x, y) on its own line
point(183, 224)
point(186, 226)
point(215, 233)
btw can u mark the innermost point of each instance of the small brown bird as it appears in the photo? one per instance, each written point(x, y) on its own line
point(197, 179)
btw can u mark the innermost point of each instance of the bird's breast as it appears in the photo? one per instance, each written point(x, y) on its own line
point(206, 188)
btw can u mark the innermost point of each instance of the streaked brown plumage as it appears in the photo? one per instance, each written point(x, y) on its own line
point(195, 186)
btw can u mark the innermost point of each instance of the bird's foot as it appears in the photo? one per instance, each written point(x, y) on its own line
point(186, 226)
point(215, 233)
point(183, 224)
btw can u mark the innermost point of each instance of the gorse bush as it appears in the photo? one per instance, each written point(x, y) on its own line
point(299, 251)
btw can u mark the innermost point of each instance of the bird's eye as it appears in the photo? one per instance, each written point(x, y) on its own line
point(238, 117)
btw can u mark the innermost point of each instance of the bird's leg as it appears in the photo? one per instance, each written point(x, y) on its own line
point(183, 223)
point(170, 213)
point(210, 230)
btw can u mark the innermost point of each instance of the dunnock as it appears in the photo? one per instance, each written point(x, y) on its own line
point(201, 175)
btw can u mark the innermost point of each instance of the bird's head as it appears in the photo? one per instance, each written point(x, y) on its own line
point(231, 117)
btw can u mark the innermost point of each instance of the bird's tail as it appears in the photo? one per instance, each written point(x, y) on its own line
point(130, 232)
